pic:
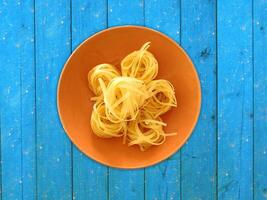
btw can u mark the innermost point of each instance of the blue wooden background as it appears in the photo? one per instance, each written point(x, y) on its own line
point(226, 157)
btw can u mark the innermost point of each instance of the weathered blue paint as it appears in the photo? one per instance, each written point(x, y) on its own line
point(198, 37)
point(52, 29)
point(28, 136)
point(235, 100)
point(17, 87)
point(89, 178)
point(163, 180)
point(260, 99)
point(121, 12)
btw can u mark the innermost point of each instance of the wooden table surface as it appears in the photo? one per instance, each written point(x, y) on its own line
point(225, 158)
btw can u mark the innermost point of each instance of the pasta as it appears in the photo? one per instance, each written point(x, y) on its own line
point(100, 124)
point(123, 97)
point(129, 106)
point(146, 131)
point(104, 71)
point(140, 64)
point(162, 97)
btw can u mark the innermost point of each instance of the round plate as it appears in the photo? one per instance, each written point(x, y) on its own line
point(111, 46)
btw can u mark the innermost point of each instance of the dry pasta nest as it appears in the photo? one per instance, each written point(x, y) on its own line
point(129, 103)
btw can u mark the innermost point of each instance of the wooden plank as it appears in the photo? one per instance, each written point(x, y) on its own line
point(89, 177)
point(125, 12)
point(17, 100)
point(260, 99)
point(125, 184)
point(198, 156)
point(28, 102)
point(235, 100)
point(10, 102)
point(162, 181)
point(52, 26)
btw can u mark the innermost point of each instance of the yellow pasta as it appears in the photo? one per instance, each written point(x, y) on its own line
point(104, 71)
point(123, 97)
point(162, 97)
point(140, 64)
point(146, 131)
point(129, 106)
point(100, 124)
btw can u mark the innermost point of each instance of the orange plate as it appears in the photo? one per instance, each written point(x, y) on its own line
point(111, 46)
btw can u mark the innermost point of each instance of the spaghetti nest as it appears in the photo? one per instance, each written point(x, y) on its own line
point(123, 97)
point(130, 105)
point(106, 72)
point(162, 97)
point(140, 64)
point(101, 125)
point(146, 131)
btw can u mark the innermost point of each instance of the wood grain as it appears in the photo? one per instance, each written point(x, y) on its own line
point(235, 100)
point(260, 99)
point(198, 38)
point(52, 24)
point(17, 100)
